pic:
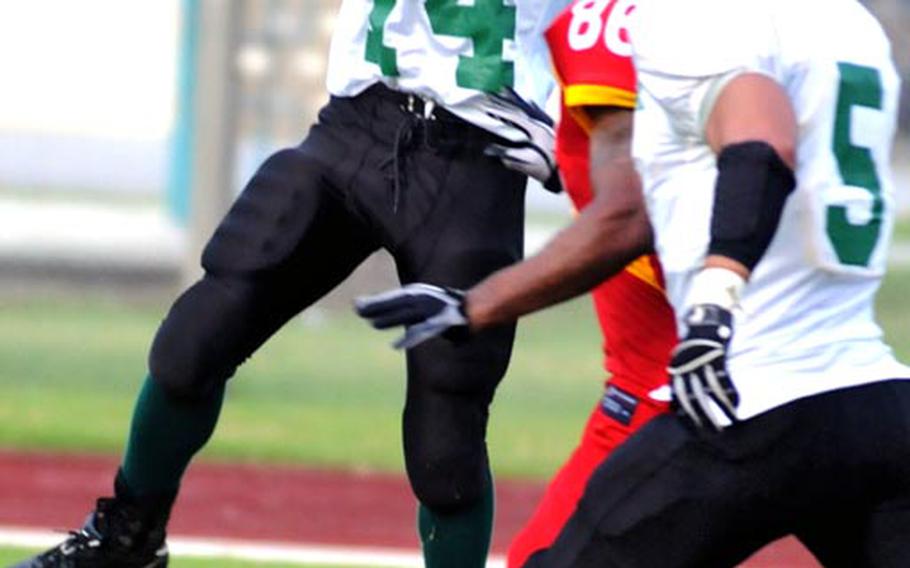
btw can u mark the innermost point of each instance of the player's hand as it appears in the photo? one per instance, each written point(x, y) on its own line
point(533, 155)
point(425, 310)
point(698, 368)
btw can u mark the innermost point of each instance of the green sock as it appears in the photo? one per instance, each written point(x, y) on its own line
point(458, 540)
point(164, 436)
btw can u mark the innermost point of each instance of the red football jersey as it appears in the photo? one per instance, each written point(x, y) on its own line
point(591, 55)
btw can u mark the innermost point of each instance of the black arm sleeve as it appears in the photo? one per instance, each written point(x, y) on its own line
point(753, 184)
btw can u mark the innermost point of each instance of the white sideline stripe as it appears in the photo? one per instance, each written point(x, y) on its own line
point(254, 551)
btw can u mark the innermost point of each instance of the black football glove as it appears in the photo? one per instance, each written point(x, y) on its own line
point(425, 310)
point(534, 154)
point(698, 368)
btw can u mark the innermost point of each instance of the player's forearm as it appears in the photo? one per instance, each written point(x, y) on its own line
point(600, 242)
point(612, 231)
point(752, 128)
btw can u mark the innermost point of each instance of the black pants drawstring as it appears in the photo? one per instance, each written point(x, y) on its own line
point(404, 140)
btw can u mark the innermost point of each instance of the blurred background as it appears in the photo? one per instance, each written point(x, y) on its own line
point(126, 128)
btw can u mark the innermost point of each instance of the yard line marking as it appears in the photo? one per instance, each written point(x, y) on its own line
point(255, 551)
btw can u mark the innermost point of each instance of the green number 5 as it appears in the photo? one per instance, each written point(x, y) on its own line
point(854, 244)
point(488, 23)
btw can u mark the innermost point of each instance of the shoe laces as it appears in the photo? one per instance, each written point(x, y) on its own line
point(77, 544)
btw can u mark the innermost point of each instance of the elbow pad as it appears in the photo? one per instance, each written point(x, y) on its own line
point(753, 184)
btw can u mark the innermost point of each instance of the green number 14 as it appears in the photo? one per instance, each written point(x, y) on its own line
point(487, 23)
point(378, 53)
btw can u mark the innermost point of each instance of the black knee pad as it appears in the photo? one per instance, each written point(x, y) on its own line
point(452, 483)
point(196, 348)
point(445, 448)
point(450, 388)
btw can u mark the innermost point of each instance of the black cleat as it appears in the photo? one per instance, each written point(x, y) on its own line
point(118, 534)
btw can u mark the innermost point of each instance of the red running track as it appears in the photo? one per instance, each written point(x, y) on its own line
point(271, 503)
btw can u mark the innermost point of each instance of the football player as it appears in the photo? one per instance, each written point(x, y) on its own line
point(591, 57)
point(763, 139)
point(411, 154)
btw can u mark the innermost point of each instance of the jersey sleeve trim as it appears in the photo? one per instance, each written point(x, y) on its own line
point(598, 95)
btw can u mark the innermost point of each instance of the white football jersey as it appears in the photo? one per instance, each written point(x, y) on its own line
point(448, 51)
point(807, 320)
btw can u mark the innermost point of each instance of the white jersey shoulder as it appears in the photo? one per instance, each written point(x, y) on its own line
point(449, 51)
point(807, 323)
point(697, 38)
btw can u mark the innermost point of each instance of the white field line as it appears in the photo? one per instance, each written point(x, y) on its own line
point(254, 551)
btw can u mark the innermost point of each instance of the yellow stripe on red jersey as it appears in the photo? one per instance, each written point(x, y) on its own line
point(592, 59)
point(646, 269)
point(577, 95)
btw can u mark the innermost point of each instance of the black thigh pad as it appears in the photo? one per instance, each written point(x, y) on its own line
point(280, 204)
point(753, 184)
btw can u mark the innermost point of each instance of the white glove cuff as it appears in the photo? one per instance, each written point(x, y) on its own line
point(718, 286)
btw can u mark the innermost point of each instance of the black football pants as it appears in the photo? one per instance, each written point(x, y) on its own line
point(832, 469)
point(373, 172)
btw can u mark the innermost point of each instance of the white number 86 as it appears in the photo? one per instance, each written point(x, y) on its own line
point(587, 25)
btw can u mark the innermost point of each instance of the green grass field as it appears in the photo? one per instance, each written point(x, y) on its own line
point(327, 391)
point(902, 229)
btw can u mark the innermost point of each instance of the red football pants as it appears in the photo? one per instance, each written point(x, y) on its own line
point(601, 436)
